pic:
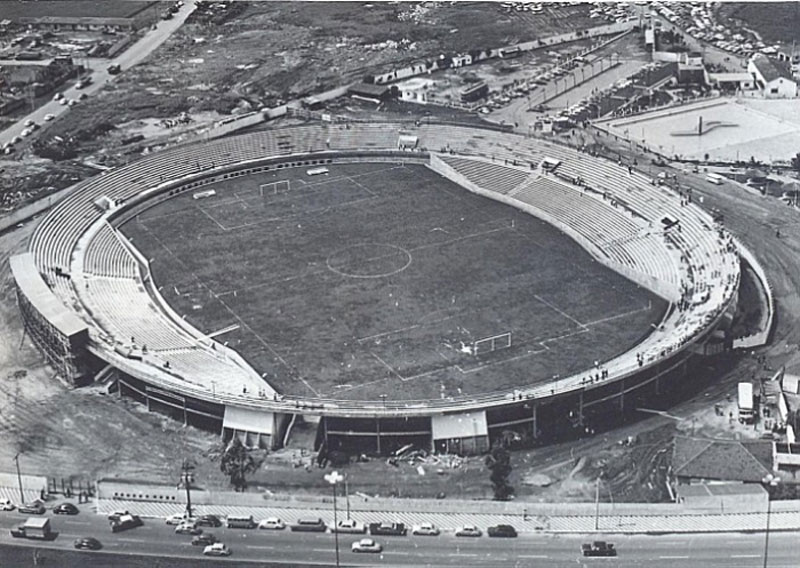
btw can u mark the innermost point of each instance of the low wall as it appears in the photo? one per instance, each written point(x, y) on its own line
point(762, 336)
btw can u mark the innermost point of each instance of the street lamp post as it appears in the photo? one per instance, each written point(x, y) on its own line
point(771, 481)
point(19, 479)
point(333, 478)
point(187, 477)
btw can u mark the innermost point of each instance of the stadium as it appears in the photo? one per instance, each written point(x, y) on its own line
point(442, 285)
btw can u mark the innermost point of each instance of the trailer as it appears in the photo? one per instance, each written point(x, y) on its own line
point(37, 528)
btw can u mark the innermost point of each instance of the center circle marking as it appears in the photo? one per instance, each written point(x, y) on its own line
point(369, 260)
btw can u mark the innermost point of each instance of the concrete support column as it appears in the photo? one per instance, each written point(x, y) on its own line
point(378, 430)
point(580, 408)
point(535, 424)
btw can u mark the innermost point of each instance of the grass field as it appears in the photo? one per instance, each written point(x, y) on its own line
point(378, 279)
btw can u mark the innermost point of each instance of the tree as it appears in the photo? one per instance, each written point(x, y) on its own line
point(499, 463)
point(237, 463)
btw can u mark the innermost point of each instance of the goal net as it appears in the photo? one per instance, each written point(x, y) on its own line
point(491, 343)
point(274, 188)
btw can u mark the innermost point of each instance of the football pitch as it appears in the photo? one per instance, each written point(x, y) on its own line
point(379, 279)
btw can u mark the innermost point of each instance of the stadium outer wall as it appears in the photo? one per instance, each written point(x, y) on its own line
point(371, 427)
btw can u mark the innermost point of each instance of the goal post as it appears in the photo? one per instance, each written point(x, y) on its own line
point(491, 343)
point(274, 188)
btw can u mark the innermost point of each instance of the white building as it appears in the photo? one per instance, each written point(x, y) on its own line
point(772, 77)
point(415, 90)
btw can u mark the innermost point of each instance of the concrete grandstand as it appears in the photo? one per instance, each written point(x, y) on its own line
point(90, 303)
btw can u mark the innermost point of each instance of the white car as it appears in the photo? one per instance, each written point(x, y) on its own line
point(6, 505)
point(48, 117)
point(217, 549)
point(366, 545)
point(425, 529)
point(29, 122)
point(349, 526)
point(58, 96)
point(27, 132)
point(62, 101)
point(179, 519)
point(72, 102)
point(469, 530)
point(272, 523)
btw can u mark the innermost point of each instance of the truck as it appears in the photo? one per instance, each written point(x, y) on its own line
point(126, 522)
point(746, 409)
point(34, 528)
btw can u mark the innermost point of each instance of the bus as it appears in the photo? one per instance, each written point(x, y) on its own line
point(316, 171)
point(716, 179)
point(746, 410)
point(245, 522)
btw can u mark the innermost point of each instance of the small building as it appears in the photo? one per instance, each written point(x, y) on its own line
point(416, 90)
point(732, 82)
point(697, 460)
point(370, 92)
point(474, 92)
point(723, 497)
point(772, 77)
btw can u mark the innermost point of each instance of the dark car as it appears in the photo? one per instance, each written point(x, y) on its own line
point(309, 525)
point(35, 508)
point(598, 548)
point(66, 509)
point(88, 543)
point(114, 69)
point(208, 521)
point(204, 539)
point(126, 522)
point(502, 531)
point(388, 529)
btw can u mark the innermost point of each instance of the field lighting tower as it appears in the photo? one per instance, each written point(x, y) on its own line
point(333, 478)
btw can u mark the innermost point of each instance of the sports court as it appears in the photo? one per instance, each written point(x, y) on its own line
point(379, 279)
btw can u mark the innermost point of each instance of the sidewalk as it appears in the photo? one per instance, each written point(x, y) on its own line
point(630, 518)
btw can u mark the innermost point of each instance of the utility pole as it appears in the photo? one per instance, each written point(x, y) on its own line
point(187, 477)
point(597, 504)
point(19, 479)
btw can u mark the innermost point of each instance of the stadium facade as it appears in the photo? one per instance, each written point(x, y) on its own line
point(89, 302)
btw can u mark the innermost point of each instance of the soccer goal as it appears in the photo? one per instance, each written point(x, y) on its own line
point(274, 188)
point(491, 343)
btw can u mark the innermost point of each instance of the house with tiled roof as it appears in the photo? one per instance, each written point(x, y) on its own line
point(701, 459)
point(773, 77)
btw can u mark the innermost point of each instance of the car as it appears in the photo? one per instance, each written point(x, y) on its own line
point(309, 525)
point(66, 509)
point(366, 545)
point(114, 69)
point(27, 132)
point(16, 140)
point(217, 549)
point(126, 522)
point(115, 515)
point(83, 97)
point(62, 101)
point(35, 508)
point(425, 529)
point(58, 96)
point(272, 523)
point(388, 529)
point(598, 548)
point(6, 504)
point(72, 102)
point(468, 530)
point(208, 521)
point(178, 519)
point(29, 122)
point(49, 117)
point(188, 528)
point(349, 526)
point(204, 539)
point(502, 531)
point(88, 543)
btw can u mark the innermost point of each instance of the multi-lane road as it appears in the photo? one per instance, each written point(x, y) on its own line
point(157, 540)
point(100, 76)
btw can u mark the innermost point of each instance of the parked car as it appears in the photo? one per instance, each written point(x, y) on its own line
point(62, 101)
point(389, 529)
point(468, 530)
point(272, 523)
point(114, 69)
point(28, 122)
point(349, 526)
point(49, 117)
point(88, 543)
point(126, 522)
point(6, 505)
point(366, 545)
point(66, 509)
point(188, 528)
point(209, 521)
point(115, 515)
point(35, 508)
point(204, 539)
point(58, 96)
point(598, 548)
point(309, 525)
point(217, 549)
point(502, 531)
point(425, 529)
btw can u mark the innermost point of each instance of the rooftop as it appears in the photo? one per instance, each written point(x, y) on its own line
point(771, 69)
point(726, 460)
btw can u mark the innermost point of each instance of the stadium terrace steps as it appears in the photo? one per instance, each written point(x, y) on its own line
point(105, 256)
point(487, 175)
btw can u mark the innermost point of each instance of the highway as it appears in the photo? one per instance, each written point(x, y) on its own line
point(156, 539)
point(137, 52)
